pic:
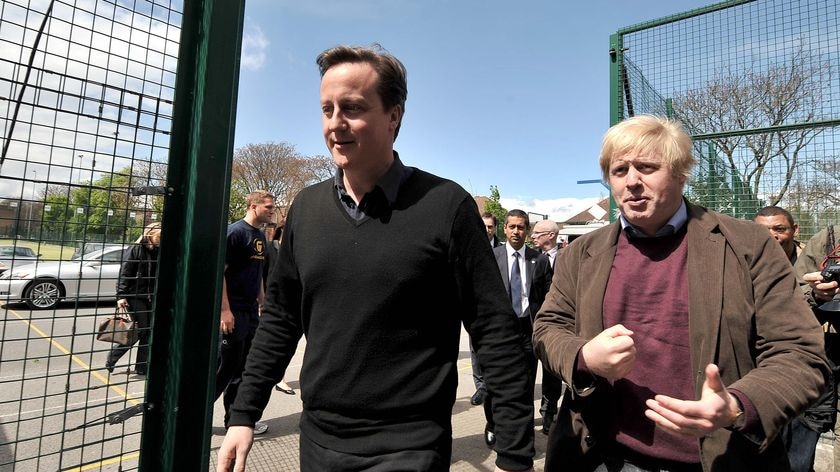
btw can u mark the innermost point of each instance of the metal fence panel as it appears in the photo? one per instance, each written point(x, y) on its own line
point(86, 106)
point(757, 84)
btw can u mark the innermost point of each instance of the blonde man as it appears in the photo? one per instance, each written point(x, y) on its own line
point(242, 296)
point(677, 329)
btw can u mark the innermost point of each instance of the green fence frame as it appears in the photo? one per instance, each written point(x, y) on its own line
point(656, 66)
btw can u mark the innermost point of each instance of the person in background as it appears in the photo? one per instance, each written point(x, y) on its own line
point(780, 223)
point(480, 390)
point(803, 432)
point(681, 333)
point(544, 236)
point(273, 234)
point(820, 252)
point(526, 275)
point(135, 291)
point(379, 267)
point(242, 296)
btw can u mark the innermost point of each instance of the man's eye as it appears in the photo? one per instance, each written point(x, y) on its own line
point(619, 171)
point(326, 110)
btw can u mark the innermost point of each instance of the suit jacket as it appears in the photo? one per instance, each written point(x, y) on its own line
point(537, 275)
point(745, 315)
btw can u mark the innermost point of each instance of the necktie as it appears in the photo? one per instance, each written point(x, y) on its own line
point(516, 286)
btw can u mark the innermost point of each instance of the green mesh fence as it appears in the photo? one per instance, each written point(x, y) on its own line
point(757, 84)
point(86, 105)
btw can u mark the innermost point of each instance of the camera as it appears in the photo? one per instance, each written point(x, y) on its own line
point(831, 273)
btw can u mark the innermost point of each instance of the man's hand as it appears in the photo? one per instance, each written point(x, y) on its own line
point(227, 322)
point(611, 354)
point(716, 409)
point(823, 292)
point(234, 449)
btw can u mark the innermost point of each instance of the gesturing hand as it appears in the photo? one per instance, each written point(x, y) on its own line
point(716, 409)
point(611, 354)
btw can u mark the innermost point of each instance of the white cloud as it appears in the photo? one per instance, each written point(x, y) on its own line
point(557, 209)
point(254, 46)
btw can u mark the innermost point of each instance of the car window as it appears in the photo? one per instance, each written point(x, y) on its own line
point(6, 251)
point(25, 251)
point(113, 256)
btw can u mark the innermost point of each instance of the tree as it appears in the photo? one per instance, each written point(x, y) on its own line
point(495, 208)
point(102, 210)
point(275, 167)
point(758, 98)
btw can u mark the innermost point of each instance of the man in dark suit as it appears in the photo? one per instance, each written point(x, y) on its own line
point(544, 237)
point(480, 390)
point(527, 276)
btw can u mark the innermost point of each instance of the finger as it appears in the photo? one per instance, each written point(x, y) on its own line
point(812, 277)
point(713, 381)
point(674, 421)
point(618, 330)
point(667, 425)
point(241, 456)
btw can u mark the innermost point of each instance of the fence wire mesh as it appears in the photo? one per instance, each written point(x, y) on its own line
point(86, 98)
point(757, 84)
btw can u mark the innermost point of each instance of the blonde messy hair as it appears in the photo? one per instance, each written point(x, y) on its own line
point(651, 135)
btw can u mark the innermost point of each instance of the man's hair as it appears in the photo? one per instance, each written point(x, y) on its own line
point(547, 226)
point(152, 230)
point(487, 214)
point(769, 211)
point(257, 196)
point(392, 87)
point(519, 214)
point(652, 135)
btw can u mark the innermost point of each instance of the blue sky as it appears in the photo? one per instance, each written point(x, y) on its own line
point(512, 94)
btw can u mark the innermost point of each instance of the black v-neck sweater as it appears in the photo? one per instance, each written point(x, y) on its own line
point(381, 301)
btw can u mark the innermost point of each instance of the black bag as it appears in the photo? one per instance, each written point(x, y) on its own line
point(119, 328)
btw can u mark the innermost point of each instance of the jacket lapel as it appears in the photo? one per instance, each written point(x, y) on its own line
point(706, 250)
point(594, 274)
point(501, 261)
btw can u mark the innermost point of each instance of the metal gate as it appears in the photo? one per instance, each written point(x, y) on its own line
point(95, 147)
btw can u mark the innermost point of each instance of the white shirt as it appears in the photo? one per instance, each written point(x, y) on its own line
point(522, 266)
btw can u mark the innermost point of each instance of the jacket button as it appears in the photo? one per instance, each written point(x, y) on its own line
point(589, 440)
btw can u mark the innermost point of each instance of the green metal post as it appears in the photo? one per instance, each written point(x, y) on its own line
point(616, 99)
point(178, 417)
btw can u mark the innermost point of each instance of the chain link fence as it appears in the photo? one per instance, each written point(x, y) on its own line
point(757, 84)
point(86, 106)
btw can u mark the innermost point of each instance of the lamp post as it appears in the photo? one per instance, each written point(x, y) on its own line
point(80, 156)
point(31, 204)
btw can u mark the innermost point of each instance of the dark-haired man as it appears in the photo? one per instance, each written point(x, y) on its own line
point(526, 275)
point(382, 309)
point(780, 223)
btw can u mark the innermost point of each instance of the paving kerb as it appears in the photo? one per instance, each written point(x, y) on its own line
point(277, 450)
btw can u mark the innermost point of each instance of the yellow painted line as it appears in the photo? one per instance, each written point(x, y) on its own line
point(464, 365)
point(100, 464)
point(77, 360)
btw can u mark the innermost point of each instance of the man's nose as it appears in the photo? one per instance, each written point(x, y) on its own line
point(633, 177)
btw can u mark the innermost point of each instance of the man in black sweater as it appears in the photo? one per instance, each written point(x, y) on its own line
point(409, 261)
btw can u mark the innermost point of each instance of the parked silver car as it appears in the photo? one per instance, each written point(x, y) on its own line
point(41, 285)
point(17, 255)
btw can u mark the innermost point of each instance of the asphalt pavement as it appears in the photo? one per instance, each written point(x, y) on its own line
point(277, 449)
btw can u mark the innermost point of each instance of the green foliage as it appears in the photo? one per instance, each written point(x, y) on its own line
point(495, 208)
point(100, 211)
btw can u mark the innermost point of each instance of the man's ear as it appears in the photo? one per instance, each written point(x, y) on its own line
point(395, 117)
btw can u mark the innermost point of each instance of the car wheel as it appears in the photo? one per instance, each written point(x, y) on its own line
point(42, 294)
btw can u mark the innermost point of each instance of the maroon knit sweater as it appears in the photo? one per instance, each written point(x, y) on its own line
point(648, 293)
